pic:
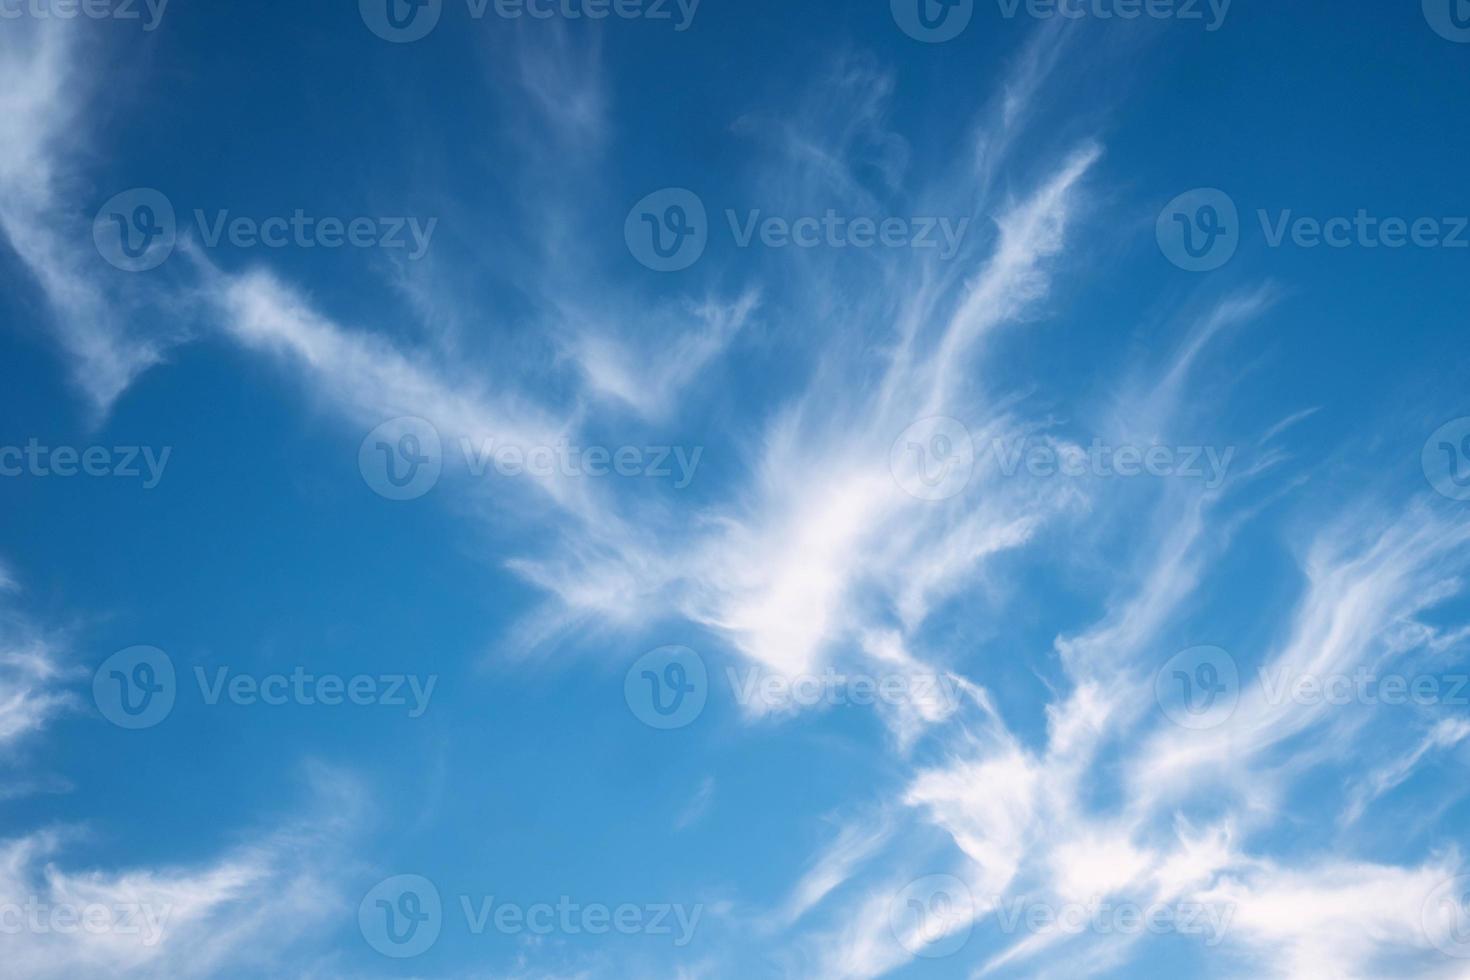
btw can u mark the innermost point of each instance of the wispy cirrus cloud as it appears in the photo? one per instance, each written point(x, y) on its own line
point(813, 550)
point(247, 909)
point(44, 100)
point(35, 678)
point(190, 919)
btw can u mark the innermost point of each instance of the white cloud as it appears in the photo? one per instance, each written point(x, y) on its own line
point(42, 104)
point(35, 680)
point(1332, 920)
point(854, 844)
point(246, 909)
point(698, 805)
point(650, 371)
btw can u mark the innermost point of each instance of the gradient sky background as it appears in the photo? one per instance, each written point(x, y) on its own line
point(1053, 608)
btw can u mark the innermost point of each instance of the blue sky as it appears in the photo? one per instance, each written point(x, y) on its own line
point(829, 490)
